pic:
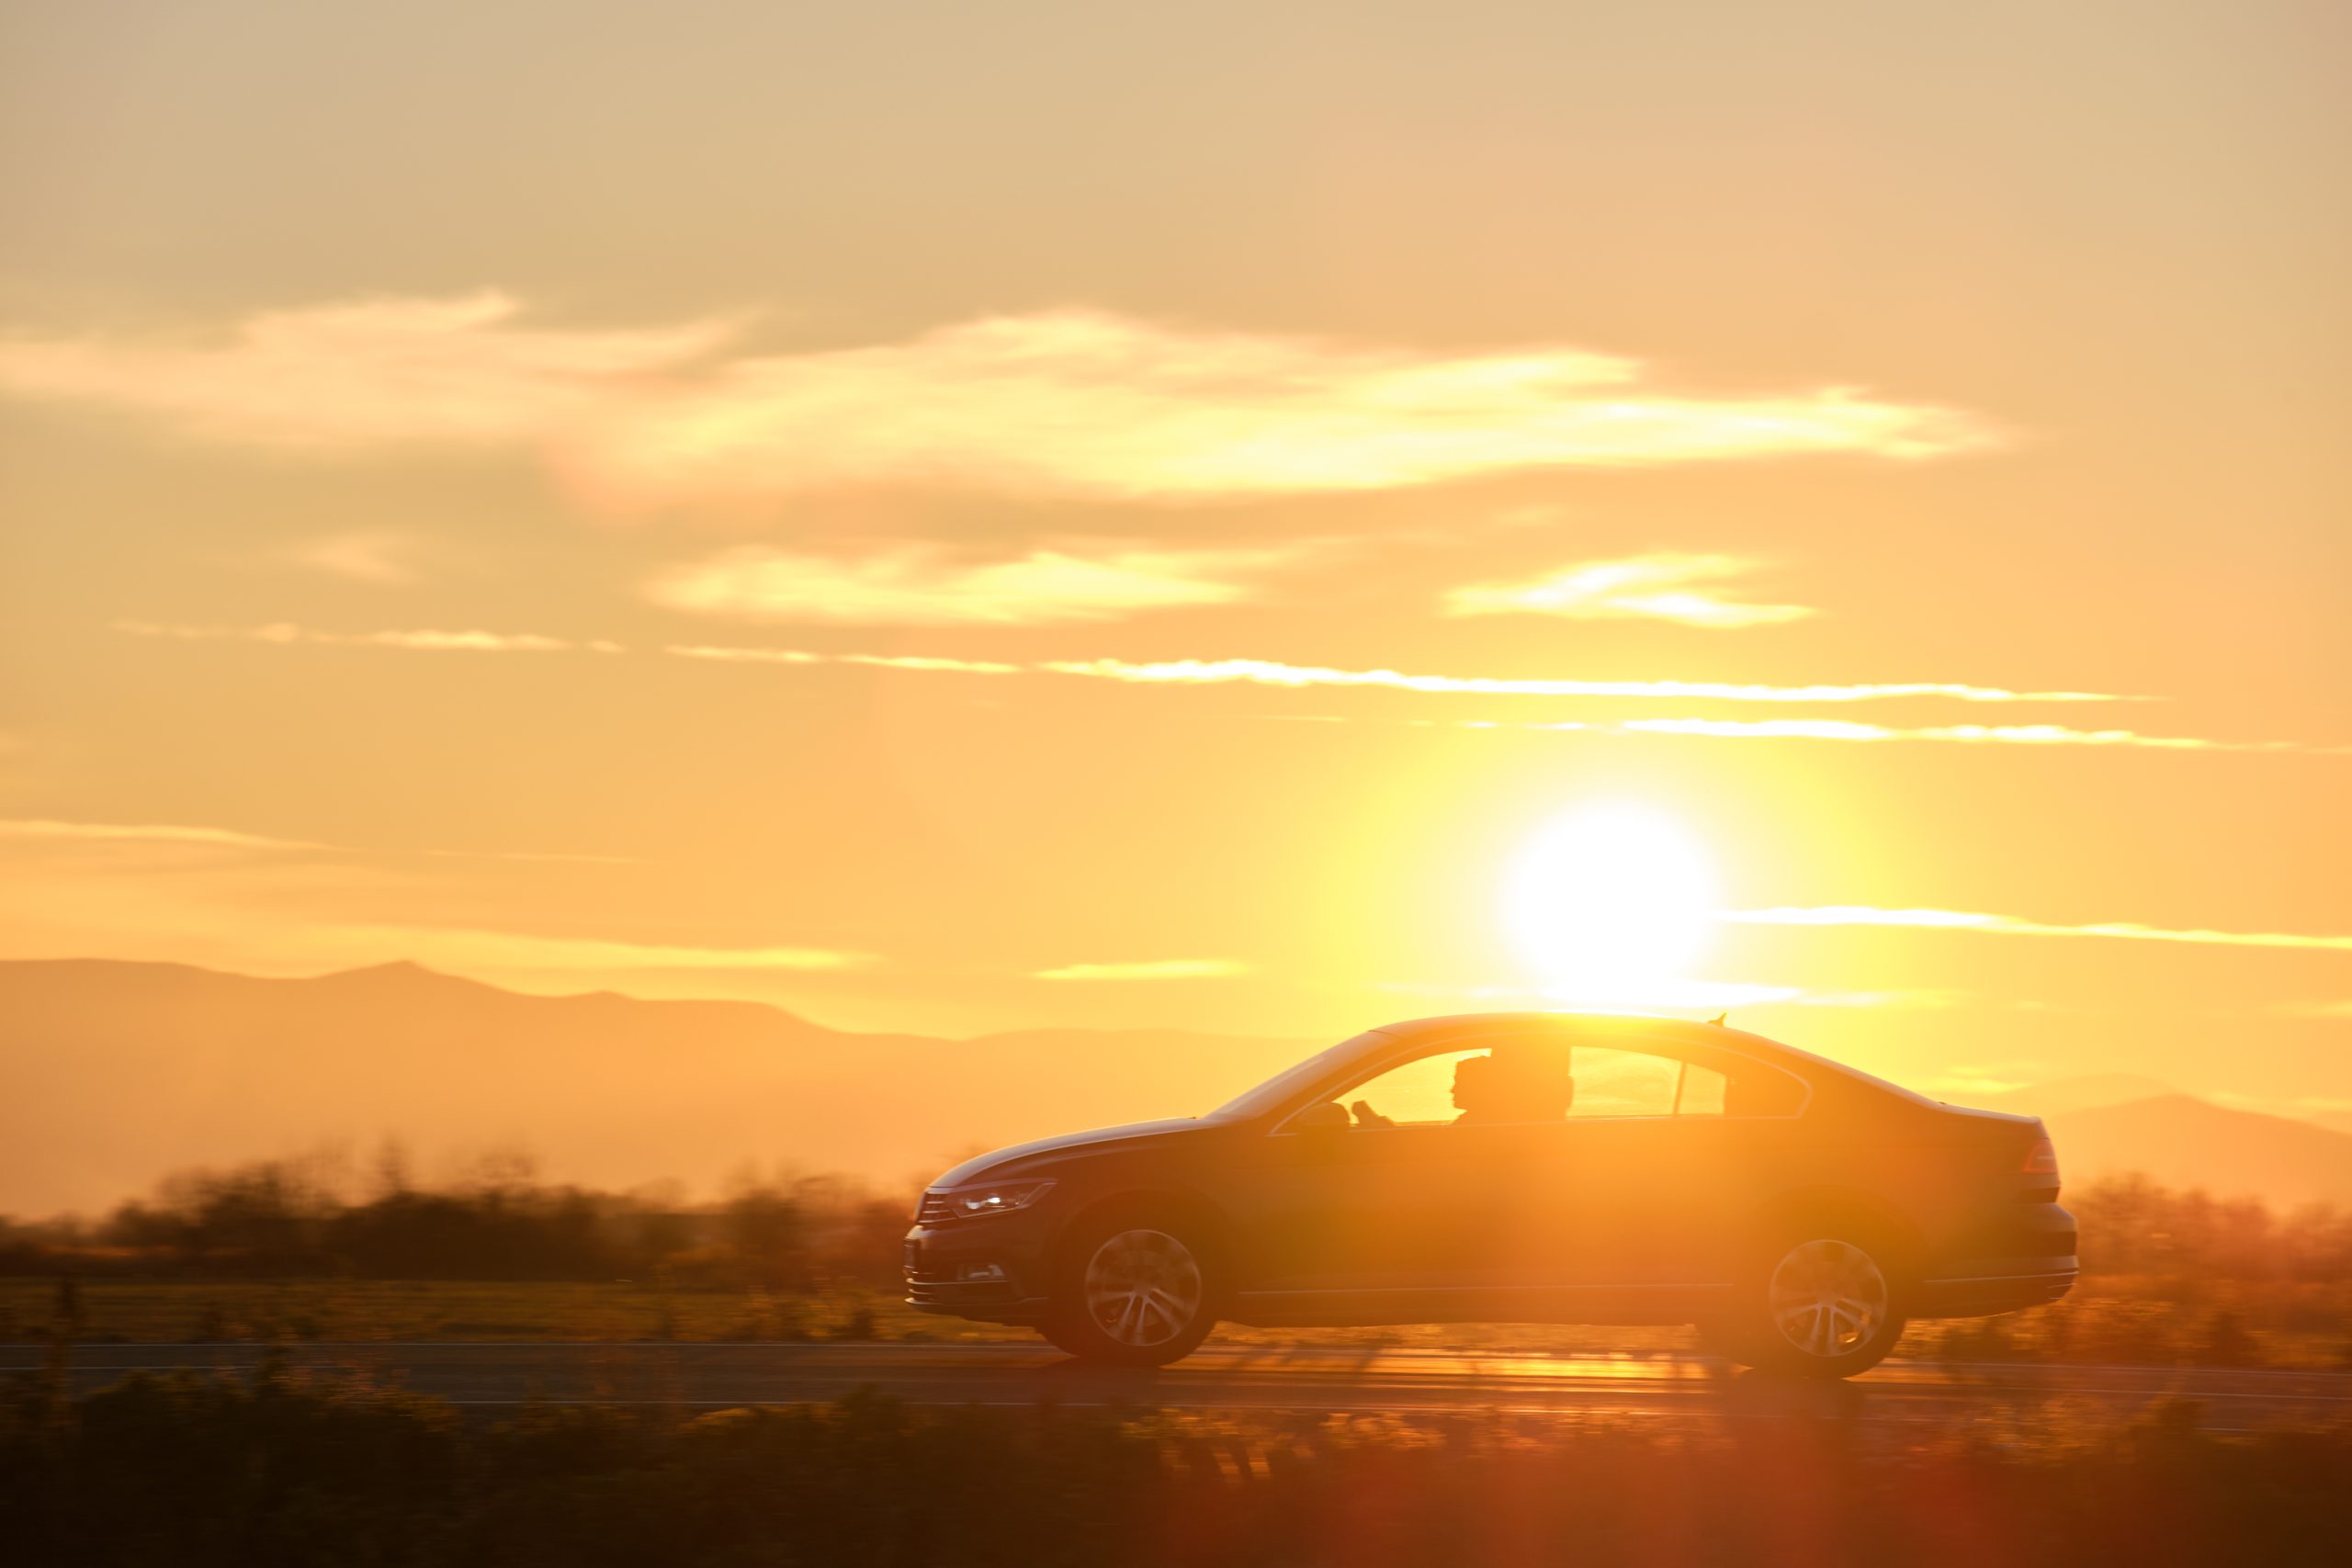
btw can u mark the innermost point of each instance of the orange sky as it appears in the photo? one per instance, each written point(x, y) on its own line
point(952, 517)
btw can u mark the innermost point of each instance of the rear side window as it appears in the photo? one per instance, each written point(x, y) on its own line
point(1613, 1082)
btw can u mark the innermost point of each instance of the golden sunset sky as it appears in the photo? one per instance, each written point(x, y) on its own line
point(952, 517)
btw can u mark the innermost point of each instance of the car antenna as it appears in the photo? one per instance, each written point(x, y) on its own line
point(1718, 1020)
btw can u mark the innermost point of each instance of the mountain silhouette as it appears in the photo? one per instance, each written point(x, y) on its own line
point(121, 1072)
point(2182, 1141)
point(2060, 1096)
point(2109, 1123)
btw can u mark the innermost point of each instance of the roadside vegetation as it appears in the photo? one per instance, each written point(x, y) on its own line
point(279, 1468)
point(281, 1251)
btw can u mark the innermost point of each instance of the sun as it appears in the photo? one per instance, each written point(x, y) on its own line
point(1610, 903)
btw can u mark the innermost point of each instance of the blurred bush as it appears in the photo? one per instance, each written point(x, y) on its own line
point(282, 1220)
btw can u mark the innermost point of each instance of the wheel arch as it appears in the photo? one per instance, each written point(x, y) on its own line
point(1212, 1225)
point(1838, 1205)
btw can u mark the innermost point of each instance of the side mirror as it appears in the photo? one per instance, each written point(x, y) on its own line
point(1329, 1117)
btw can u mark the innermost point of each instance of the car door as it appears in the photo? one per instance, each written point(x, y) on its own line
point(1404, 1198)
point(1669, 1159)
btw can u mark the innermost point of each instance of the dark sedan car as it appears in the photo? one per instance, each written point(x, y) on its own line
point(1516, 1167)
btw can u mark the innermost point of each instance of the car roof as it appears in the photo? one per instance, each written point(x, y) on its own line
point(1551, 1022)
point(1653, 1025)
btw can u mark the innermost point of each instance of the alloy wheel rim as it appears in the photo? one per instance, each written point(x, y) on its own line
point(1827, 1298)
point(1143, 1288)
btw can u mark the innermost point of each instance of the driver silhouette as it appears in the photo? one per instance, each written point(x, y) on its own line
point(1523, 1086)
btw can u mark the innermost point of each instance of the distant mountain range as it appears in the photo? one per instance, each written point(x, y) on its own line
point(120, 1073)
point(2119, 1122)
point(2062, 1096)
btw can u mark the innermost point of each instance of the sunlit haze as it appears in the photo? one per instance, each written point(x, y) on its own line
point(1252, 520)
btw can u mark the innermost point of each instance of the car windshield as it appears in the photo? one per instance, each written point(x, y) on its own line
point(1282, 1085)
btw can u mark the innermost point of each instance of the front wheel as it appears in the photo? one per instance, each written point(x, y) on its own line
point(1819, 1305)
point(1134, 1292)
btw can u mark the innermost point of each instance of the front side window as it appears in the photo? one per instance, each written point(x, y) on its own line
point(1505, 1083)
point(1419, 1094)
point(1520, 1082)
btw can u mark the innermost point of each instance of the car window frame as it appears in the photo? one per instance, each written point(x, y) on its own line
point(1409, 1051)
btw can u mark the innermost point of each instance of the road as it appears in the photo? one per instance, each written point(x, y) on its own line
point(1251, 1377)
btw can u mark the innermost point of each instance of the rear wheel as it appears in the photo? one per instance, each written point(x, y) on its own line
point(1132, 1291)
point(1824, 1302)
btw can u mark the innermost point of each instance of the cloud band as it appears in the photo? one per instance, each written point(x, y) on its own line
point(1268, 673)
point(2009, 925)
point(1068, 401)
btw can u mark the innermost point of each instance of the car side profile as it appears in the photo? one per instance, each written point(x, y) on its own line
point(1515, 1168)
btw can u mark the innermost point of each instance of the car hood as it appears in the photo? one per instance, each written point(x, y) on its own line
point(1023, 1157)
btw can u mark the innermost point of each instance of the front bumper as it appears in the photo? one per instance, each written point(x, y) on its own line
point(937, 1258)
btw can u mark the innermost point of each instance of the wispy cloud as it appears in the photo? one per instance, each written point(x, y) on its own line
point(1267, 672)
point(919, 585)
point(1959, 734)
point(1665, 587)
point(1844, 730)
point(1270, 673)
point(1150, 969)
point(361, 557)
point(1069, 401)
point(427, 641)
point(549, 856)
point(2318, 1009)
point(1966, 921)
point(146, 833)
point(1097, 405)
point(50, 830)
point(722, 655)
point(364, 374)
point(1956, 734)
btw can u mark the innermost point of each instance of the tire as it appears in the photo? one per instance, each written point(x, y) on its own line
point(1133, 1290)
point(1823, 1300)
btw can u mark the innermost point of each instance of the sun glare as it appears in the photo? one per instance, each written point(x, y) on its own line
point(1610, 903)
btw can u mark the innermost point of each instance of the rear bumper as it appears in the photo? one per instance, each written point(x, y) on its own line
point(1994, 1284)
point(2021, 1255)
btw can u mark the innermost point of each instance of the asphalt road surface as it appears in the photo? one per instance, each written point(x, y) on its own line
point(1251, 1377)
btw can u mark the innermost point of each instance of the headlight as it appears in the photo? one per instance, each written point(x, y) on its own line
point(999, 1199)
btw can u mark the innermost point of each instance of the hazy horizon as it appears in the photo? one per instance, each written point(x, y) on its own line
point(208, 1071)
point(1256, 522)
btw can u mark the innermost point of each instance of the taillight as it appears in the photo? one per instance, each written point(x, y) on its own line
point(2041, 1159)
